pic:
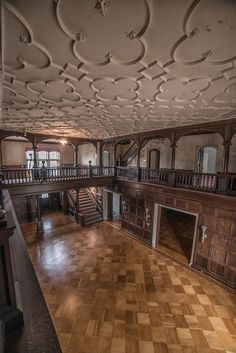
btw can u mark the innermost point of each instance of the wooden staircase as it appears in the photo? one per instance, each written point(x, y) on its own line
point(88, 208)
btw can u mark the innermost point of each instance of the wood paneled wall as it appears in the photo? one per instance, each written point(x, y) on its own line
point(25, 208)
point(216, 256)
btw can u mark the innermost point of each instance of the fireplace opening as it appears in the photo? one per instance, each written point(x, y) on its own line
point(176, 232)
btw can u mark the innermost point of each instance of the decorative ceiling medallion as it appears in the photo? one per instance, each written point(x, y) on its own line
point(54, 91)
point(122, 89)
point(98, 40)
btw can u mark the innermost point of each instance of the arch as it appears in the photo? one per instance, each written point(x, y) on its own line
point(199, 131)
point(207, 159)
point(146, 139)
point(13, 148)
point(155, 143)
point(107, 154)
point(187, 155)
point(232, 155)
point(126, 152)
point(87, 151)
point(53, 153)
point(154, 157)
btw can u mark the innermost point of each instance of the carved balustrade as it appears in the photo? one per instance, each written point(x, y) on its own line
point(187, 179)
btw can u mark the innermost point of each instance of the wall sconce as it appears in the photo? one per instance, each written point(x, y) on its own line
point(147, 217)
point(203, 234)
point(124, 206)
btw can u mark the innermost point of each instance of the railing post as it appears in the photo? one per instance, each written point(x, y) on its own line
point(43, 172)
point(139, 174)
point(222, 184)
point(90, 170)
point(171, 178)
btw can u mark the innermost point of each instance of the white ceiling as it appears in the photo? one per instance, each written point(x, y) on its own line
point(100, 68)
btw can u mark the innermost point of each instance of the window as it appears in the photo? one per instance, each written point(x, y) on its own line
point(106, 158)
point(51, 158)
point(207, 159)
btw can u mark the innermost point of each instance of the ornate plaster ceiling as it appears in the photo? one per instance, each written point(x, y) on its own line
point(100, 68)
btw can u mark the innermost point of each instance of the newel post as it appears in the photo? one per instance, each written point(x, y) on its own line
point(90, 170)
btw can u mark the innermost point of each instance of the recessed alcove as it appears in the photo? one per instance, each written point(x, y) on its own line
point(175, 233)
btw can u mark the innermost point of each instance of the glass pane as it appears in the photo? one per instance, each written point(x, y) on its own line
point(29, 164)
point(53, 163)
point(29, 154)
point(54, 155)
point(43, 155)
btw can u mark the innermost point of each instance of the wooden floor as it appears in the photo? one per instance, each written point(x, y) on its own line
point(109, 294)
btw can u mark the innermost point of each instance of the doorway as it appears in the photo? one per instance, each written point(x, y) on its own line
point(112, 207)
point(154, 159)
point(175, 233)
point(207, 159)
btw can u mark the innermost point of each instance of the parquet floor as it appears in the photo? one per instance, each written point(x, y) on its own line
point(109, 294)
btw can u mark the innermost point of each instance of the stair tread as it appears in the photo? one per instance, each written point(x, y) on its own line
point(91, 222)
point(93, 217)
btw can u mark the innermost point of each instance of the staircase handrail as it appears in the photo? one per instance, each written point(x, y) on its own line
point(95, 202)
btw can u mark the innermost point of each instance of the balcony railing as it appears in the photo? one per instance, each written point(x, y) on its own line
point(207, 182)
point(53, 174)
point(215, 183)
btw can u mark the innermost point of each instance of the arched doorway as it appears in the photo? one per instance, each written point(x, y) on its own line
point(106, 158)
point(207, 159)
point(154, 159)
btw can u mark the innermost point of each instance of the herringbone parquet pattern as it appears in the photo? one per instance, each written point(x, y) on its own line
point(109, 294)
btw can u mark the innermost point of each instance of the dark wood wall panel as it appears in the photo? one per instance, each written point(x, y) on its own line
point(217, 254)
point(25, 208)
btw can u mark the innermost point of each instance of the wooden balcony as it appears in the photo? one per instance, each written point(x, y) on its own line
point(38, 180)
point(215, 183)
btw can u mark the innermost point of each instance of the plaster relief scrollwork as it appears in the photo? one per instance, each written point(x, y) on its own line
point(54, 91)
point(122, 89)
point(20, 50)
point(181, 90)
point(228, 97)
point(116, 36)
point(11, 98)
point(210, 32)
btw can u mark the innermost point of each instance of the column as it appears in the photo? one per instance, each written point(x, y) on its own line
point(138, 162)
point(40, 229)
point(173, 148)
point(100, 154)
point(1, 154)
point(75, 155)
point(35, 155)
point(225, 161)
point(114, 155)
